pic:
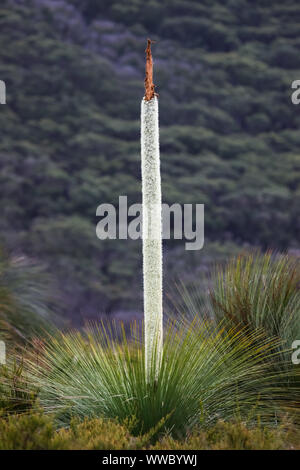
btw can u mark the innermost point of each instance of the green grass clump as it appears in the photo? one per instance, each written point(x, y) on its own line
point(207, 374)
point(260, 291)
point(25, 306)
point(16, 395)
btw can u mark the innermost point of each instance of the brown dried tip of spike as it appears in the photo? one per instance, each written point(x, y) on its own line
point(149, 85)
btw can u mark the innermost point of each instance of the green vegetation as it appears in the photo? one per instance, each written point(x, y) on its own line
point(27, 305)
point(70, 141)
point(70, 131)
point(204, 376)
point(37, 431)
point(260, 291)
point(219, 385)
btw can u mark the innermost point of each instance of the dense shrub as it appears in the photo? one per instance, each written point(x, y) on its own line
point(38, 432)
point(235, 436)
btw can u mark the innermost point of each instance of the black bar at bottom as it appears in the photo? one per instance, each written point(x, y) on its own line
point(137, 459)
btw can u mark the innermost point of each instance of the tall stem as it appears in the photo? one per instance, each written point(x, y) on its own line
point(152, 226)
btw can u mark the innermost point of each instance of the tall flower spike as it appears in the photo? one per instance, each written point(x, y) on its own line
point(152, 226)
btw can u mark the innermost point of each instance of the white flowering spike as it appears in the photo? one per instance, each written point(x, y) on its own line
point(152, 225)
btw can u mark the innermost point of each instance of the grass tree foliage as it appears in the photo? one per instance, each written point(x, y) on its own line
point(205, 374)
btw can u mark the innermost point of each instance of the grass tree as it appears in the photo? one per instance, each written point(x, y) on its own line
point(152, 226)
point(202, 372)
point(206, 374)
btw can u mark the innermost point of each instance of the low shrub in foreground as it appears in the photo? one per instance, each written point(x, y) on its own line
point(235, 436)
point(38, 432)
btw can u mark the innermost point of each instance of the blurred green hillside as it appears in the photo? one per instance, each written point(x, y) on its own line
point(230, 136)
